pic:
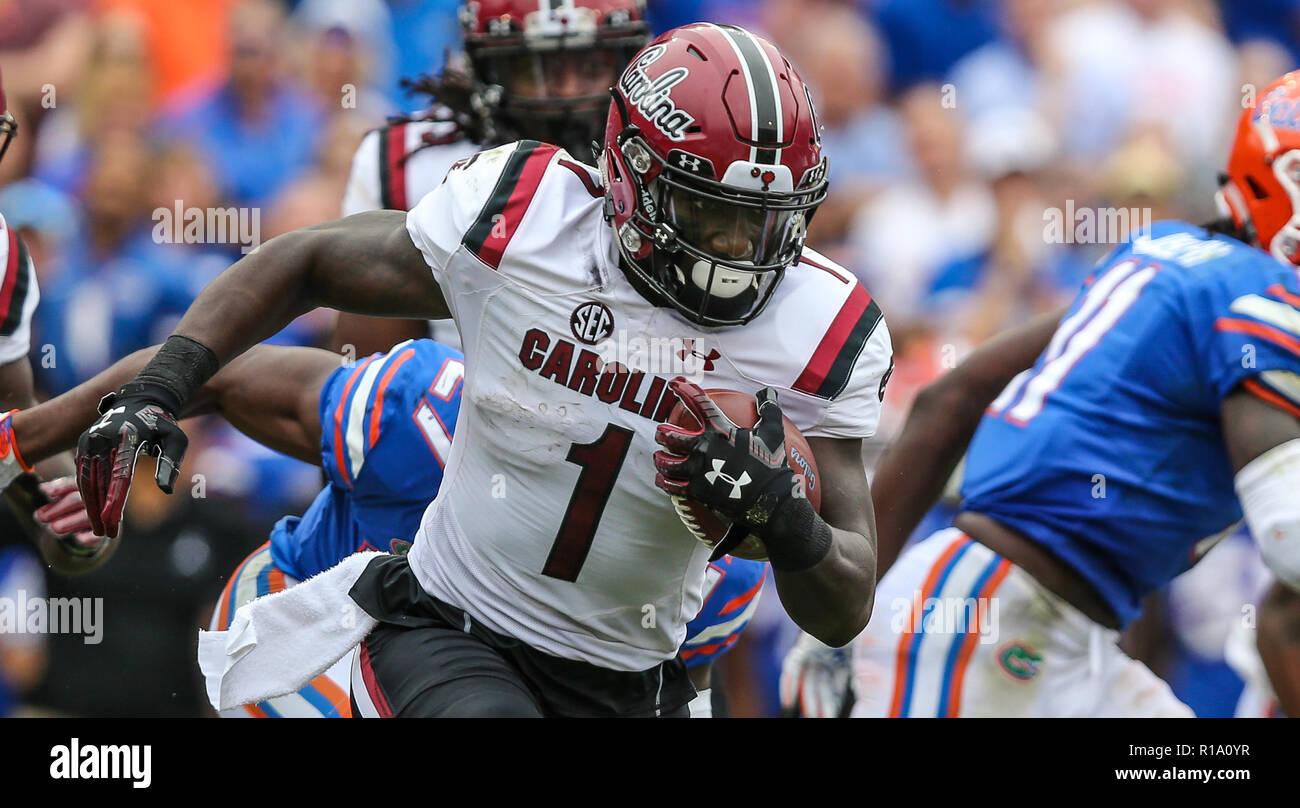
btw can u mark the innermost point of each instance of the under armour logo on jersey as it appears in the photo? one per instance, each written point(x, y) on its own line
point(717, 474)
point(103, 422)
point(688, 349)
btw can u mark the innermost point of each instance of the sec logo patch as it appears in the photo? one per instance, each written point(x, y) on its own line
point(591, 323)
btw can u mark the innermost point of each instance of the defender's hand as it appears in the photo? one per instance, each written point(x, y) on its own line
point(815, 679)
point(107, 452)
point(65, 516)
point(742, 474)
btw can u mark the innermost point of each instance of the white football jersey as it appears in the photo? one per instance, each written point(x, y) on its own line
point(548, 526)
point(18, 296)
point(395, 166)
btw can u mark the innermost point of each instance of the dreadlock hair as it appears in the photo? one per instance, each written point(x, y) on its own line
point(453, 100)
point(1224, 226)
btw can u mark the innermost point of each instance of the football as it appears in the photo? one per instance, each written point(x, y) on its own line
point(706, 525)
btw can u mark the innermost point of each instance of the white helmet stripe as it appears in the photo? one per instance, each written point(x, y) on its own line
point(749, 85)
point(765, 105)
point(770, 72)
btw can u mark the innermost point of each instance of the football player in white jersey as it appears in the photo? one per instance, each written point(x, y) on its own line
point(536, 70)
point(65, 542)
point(552, 576)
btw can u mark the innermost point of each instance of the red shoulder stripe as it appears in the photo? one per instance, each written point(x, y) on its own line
point(497, 223)
point(395, 166)
point(592, 187)
point(803, 259)
point(11, 270)
point(832, 363)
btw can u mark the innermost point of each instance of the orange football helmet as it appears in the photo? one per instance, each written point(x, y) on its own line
point(1260, 191)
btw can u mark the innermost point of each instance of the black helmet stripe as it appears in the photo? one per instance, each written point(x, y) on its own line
point(764, 95)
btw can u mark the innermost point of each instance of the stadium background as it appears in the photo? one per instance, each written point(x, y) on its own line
point(951, 127)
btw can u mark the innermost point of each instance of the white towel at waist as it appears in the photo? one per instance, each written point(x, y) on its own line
point(278, 643)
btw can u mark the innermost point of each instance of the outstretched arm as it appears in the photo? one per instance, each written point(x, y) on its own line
point(365, 263)
point(913, 471)
point(270, 393)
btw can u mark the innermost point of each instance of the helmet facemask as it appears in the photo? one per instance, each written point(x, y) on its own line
point(717, 251)
point(8, 130)
point(1285, 244)
point(552, 85)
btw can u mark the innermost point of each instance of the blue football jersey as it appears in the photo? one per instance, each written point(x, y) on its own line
point(1110, 450)
point(731, 590)
point(386, 428)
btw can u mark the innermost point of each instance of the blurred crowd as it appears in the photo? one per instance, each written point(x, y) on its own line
point(953, 128)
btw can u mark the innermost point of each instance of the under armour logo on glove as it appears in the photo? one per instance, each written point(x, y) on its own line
point(107, 452)
point(103, 423)
point(717, 473)
point(692, 462)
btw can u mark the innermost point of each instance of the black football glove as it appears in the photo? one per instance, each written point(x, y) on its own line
point(132, 422)
point(741, 474)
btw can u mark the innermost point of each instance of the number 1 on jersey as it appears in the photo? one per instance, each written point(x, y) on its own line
point(600, 462)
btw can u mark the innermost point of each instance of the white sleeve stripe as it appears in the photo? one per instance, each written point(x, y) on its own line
point(356, 416)
point(720, 631)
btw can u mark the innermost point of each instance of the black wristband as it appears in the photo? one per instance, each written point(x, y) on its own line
point(796, 538)
point(180, 368)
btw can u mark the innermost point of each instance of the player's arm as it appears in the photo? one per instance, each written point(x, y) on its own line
point(17, 393)
point(1278, 641)
point(832, 600)
point(270, 393)
point(365, 263)
point(913, 471)
point(1262, 432)
point(824, 564)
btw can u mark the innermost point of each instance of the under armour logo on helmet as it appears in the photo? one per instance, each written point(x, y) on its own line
point(716, 474)
point(689, 162)
point(767, 177)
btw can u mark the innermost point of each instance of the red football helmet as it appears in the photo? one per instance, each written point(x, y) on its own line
point(712, 168)
point(8, 126)
point(1260, 191)
point(541, 69)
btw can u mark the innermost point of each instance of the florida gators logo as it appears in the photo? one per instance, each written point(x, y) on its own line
point(1019, 661)
point(766, 177)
